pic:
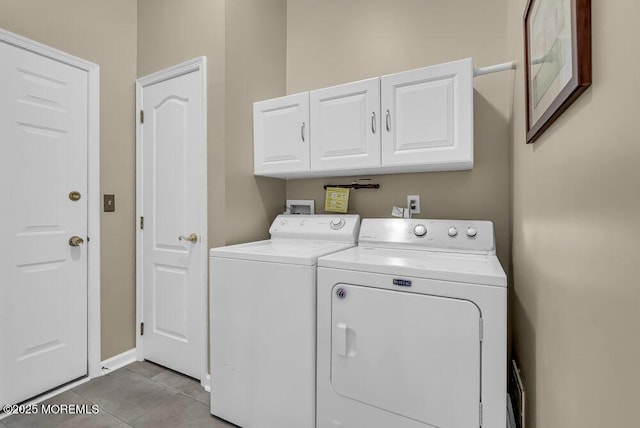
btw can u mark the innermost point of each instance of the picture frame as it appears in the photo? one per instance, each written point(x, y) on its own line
point(557, 40)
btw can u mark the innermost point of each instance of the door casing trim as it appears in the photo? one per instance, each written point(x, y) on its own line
point(93, 177)
point(196, 64)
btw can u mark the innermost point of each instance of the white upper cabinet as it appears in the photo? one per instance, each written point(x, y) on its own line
point(345, 130)
point(418, 120)
point(281, 136)
point(428, 118)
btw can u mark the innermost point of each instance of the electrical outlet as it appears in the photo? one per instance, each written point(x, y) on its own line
point(415, 205)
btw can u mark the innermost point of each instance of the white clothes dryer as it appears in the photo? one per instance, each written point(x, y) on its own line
point(412, 328)
point(263, 321)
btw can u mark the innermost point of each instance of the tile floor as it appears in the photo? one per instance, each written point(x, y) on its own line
point(141, 394)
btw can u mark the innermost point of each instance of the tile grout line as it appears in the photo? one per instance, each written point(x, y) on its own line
point(174, 391)
point(129, 424)
point(156, 382)
point(178, 391)
point(99, 407)
point(164, 402)
point(166, 370)
point(132, 424)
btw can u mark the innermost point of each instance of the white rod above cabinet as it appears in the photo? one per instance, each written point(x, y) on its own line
point(511, 65)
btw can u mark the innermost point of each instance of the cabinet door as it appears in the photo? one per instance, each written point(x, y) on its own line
point(346, 126)
point(428, 117)
point(281, 135)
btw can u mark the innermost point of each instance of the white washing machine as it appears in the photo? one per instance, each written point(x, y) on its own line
point(412, 328)
point(263, 321)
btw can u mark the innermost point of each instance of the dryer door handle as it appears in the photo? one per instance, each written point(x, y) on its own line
point(341, 339)
point(344, 341)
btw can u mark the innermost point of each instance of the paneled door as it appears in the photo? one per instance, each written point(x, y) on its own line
point(346, 126)
point(427, 117)
point(173, 228)
point(281, 135)
point(43, 223)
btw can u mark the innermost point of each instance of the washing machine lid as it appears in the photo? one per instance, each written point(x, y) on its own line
point(290, 251)
point(446, 266)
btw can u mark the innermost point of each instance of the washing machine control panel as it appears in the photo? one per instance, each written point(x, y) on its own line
point(337, 223)
point(420, 230)
point(321, 227)
point(455, 235)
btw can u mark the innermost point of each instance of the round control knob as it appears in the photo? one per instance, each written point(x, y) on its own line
point(471, 232)
point(453, 231)
point(420, 230)
point(337, 223)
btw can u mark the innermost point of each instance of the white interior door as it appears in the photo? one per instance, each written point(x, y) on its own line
point(174, 210)
point(43, 279)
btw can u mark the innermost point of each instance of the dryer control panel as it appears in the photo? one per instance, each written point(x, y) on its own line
point(464, 236)
point(320, 227)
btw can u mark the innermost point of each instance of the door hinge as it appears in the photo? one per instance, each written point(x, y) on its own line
point(142, 223)
point(481, 329)
point(141, 329)
point(481, 413)
point(141, 116)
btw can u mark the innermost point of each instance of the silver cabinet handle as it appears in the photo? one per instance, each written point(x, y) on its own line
point(373, 122)
point(388, 120)
point(192, 238)
point(302, 130)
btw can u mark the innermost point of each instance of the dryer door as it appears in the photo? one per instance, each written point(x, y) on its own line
point(411, 354)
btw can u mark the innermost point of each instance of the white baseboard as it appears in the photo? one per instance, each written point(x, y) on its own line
point(118, 361)
point(206, 383)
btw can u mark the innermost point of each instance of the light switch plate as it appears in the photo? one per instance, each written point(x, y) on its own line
point(109, 203)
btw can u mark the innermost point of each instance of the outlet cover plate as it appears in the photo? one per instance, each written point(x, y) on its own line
point(417, 204)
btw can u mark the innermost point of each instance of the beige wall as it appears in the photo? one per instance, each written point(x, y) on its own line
point(335, 41)
point(244, 42)
point(256, 38)
point(171, 32)
point(575, 238)
point(103, 32)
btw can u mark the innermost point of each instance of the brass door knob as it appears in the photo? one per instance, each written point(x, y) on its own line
point(76, 241)
point(192, 238)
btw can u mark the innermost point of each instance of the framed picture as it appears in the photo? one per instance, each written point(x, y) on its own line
point(557, 40)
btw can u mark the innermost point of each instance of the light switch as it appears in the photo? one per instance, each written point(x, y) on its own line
point(109, 203)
